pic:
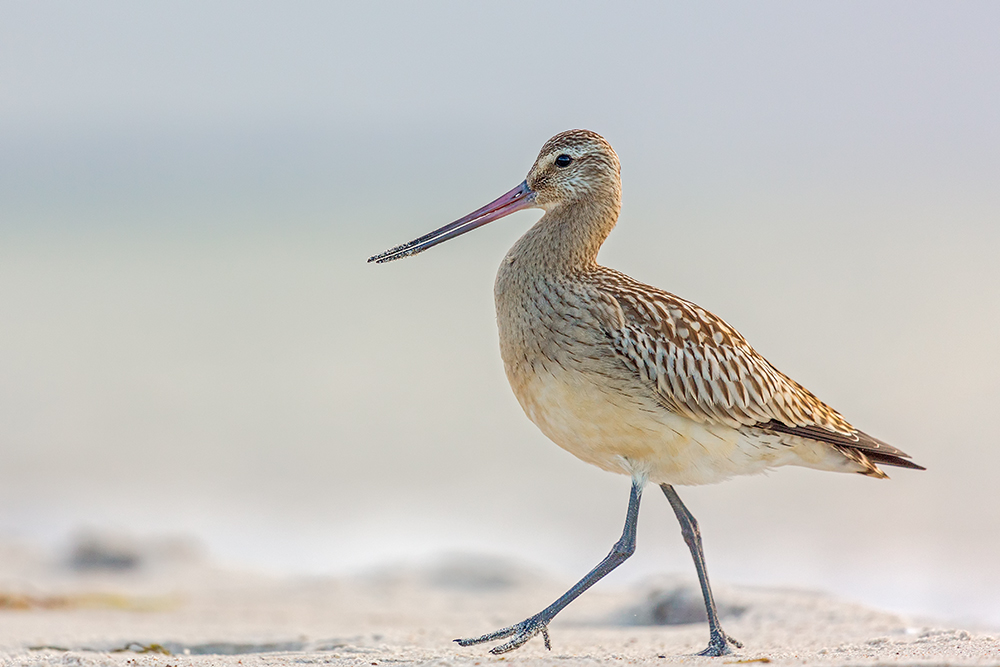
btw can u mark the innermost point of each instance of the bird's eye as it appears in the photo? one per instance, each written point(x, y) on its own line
point(563, 160)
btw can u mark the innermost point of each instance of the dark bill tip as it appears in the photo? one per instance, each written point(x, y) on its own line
point(519, 198)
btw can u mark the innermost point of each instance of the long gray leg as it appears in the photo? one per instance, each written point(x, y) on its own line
point(719, 641)
point(538, 623)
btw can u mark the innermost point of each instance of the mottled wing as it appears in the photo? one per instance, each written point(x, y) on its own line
point(704, 369)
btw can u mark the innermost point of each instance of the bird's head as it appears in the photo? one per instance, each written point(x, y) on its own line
point(572, 167)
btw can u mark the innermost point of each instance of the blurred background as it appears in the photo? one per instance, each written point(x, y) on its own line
point(191, 342)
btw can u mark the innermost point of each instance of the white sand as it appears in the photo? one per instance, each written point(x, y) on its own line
point(403, 616)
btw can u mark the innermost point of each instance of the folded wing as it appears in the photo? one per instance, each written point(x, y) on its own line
point(702, 368)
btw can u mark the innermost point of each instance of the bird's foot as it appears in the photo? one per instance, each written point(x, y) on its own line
point(720, 644)
point(520, 633)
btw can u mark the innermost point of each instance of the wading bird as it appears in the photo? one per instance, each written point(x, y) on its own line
point(633, 379)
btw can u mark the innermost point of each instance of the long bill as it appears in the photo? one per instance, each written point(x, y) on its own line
point(519, 198)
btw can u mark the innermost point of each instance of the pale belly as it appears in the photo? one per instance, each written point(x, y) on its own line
point(631, 434)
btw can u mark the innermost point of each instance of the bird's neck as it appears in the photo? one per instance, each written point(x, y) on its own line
point(567, 238)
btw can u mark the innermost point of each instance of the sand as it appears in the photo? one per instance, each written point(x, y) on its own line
point(133, 611)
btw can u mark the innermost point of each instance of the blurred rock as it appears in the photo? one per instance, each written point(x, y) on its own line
point(98, 551)
point(675, 602)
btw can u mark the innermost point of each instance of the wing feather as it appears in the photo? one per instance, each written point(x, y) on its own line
point(702, 368)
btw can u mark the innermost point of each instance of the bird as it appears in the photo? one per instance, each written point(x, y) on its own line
point(634, 379)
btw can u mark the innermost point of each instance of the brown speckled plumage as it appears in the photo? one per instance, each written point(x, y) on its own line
point(631, 378)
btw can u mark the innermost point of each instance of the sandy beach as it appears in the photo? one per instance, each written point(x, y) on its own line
point(183, 611)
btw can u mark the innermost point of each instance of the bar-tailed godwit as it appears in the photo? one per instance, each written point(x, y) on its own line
point(633, 379)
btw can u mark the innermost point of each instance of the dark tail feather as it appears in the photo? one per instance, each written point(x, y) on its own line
point(873, 449)
point(890, 460)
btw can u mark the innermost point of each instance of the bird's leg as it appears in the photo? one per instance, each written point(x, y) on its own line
point(719, 641)
point(528, 628)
